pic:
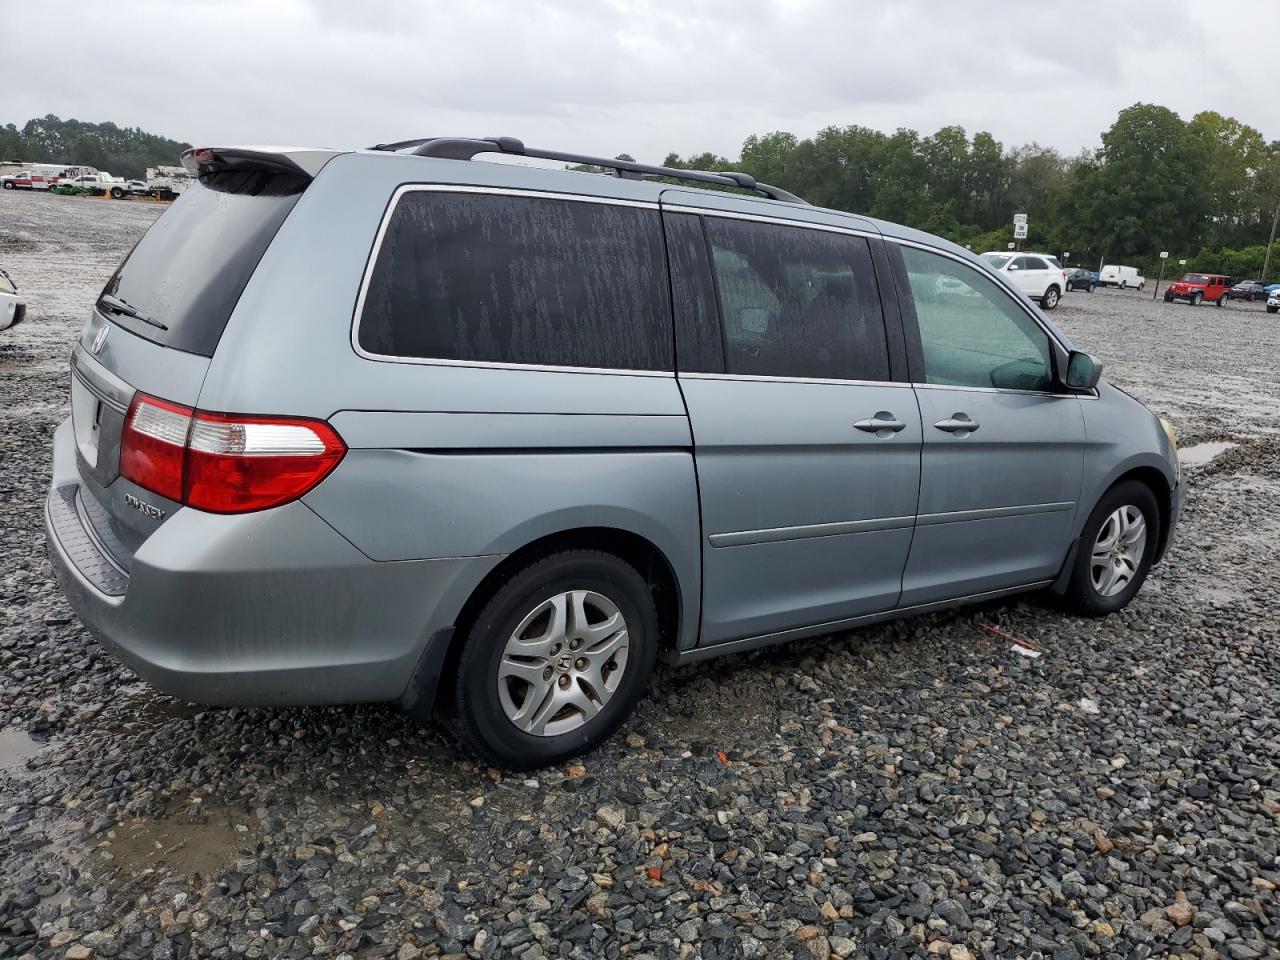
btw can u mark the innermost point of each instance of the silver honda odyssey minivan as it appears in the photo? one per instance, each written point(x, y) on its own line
point(487, 439)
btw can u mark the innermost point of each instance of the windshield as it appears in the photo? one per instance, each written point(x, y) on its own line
point(179, 285)
point(1195, 278)
point(997, 260)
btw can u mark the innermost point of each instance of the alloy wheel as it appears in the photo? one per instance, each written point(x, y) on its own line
point(563, 663)
point(1118, 551)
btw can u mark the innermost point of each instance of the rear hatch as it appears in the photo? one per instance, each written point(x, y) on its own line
point(155, 327)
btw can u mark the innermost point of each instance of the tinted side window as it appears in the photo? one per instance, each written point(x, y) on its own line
point(699, 346)
point(972, 334)
point(463, 276)
point(797, 302)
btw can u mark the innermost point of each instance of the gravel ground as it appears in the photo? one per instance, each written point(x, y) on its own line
point(915, 789)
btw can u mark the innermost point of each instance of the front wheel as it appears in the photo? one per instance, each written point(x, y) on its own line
point(117, 193)
point(555, 660)
point(1050, 298)
point(1116, 550)
point(1195, 299)
point(1273, 309)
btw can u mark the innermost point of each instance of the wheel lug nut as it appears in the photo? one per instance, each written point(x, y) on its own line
point(546, 674)
point(581, 663)
point(574, 644)
point(564, 681)
point(555, 648)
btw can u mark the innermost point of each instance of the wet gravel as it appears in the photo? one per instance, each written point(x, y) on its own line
point(912, 790)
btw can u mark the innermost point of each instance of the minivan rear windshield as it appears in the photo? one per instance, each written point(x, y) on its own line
point(180, 283)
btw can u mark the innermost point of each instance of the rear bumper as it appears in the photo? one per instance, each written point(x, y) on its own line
point(262, 609)
point(12, 310)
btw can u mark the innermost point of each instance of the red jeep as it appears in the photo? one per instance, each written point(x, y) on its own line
point(1195, 287)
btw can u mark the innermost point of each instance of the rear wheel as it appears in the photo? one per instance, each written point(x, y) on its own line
point(8, 185)
point(555, 660)
point(1050, 298)
point(1116, 549)
point(1120, 284)
point(1222, 300)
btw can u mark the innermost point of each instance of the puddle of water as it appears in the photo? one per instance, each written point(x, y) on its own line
point(181, 846)
point(16, 747)
point(1201, 453)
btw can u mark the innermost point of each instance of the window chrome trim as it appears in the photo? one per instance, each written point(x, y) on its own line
point(764, 378)
point(407, 188)
point(1051, 334)
point(779, 221)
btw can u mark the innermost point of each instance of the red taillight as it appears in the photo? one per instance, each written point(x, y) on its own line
point(225, 463)
point(154, 443)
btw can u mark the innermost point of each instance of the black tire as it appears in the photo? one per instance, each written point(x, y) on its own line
point(1168, 298)
point(1195, 299)
point(117, 193)
point(478, 719)
point(1070, 287)
point(1222, 300)
point(1273, 309)
point(1081, 596)
point(1090, 287)
point(8, 186)
point(1050, 298)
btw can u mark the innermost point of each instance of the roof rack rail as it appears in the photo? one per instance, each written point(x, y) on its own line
point(458, 148)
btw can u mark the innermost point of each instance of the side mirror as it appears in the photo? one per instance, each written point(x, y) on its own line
point(1083, 371)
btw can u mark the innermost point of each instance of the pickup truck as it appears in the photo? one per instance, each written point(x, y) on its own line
point(116, 187)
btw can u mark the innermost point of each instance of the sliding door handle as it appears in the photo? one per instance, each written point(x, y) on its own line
point(883, 425)
point(961, 424)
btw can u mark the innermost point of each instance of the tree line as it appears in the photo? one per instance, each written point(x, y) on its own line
point(1207, 189)
point(123, 151)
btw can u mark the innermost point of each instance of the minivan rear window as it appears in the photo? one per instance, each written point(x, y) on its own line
point(512, 279)
point(186, 274)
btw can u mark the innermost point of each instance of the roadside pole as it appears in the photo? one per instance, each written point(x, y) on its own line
point(1164, 255)
point(1271, 241)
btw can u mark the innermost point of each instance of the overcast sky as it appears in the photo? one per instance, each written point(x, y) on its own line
point(612, 76)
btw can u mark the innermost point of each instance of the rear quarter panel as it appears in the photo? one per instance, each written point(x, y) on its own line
point(447, 460)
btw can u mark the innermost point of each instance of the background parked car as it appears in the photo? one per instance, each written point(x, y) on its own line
point(1195, 287)
point(1081, 279)
point(116, 187)
point(1247, 290)
point(1035, 274)
point(12, 309)
point(1273, 302)
point(26, 180)
point(1113, 275)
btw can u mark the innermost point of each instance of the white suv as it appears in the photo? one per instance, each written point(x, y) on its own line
point(1038, 275)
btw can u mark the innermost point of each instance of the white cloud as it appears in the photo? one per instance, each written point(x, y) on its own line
point(639, 76)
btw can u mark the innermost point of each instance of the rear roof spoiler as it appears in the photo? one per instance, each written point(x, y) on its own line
point(300, 161)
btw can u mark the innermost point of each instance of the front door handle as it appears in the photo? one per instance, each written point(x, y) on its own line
point(883, 425)
point(961, 424)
